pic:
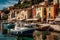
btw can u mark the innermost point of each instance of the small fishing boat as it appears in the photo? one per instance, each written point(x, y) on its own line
point(22, 31)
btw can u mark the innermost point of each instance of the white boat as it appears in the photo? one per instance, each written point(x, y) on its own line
point(22, 30)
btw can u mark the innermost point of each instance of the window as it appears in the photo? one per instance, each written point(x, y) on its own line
point(38, 15)
point(59, 2)
point(49, 8)
point(40, 8)
point(49, 15)
point(50, 0)
point(44, 11)
point(13, 15)
point(41, 0)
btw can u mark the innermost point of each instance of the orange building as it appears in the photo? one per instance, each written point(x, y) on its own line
point(51, 12)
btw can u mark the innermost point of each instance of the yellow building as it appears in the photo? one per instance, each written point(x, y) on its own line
point(40, 12)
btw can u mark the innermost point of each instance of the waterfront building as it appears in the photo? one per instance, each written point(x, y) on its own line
point(43, 9)
point(11, 14)
point(40, 12)
point(50, 8)
point(51, 12)
point(0, 14)
point(29, 11)
point(34, 12)
point(23, 14)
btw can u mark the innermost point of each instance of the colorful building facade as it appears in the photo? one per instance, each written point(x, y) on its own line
point(22, 14)
point(38, 12)
point(29, 12)
point(51, 12)
point(34, 12)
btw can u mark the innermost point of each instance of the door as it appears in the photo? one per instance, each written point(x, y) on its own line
point(44, 15)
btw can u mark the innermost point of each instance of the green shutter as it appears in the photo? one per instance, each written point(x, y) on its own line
point(49, 8)
point(38, 16)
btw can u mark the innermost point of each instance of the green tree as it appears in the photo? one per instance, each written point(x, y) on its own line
point(6, 11)
point(35, 2)
point(23, 5)
point(5, 14)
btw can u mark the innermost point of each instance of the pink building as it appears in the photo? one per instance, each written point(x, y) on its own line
point(34, 12)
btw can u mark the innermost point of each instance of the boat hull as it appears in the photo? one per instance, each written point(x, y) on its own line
point(23, 33)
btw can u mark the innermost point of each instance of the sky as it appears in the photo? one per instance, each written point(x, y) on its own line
point(7, 3)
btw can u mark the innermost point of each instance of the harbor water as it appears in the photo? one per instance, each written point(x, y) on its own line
point(6, 37)
point(45, 35)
